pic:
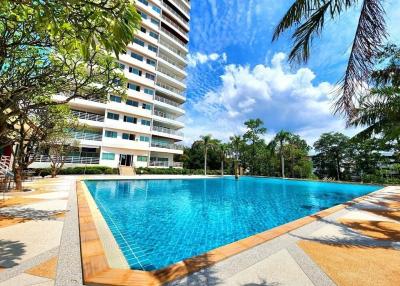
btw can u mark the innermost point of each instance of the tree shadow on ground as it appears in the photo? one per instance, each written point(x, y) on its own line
point(30, 213)
point(262, 283)
point(10, 252)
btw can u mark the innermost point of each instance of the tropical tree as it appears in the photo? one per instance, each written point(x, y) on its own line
point(236, 146)
point(332, 152)
point(280, 139)
point(298, 150)
point(309, 16)
point(254, 130)
point(206, 142)
point(223, 150)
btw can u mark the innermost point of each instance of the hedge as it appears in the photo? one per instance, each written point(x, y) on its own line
point(97, 170)
point(174, 171)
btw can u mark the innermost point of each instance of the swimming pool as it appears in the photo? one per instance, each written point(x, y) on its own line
point(160, 222)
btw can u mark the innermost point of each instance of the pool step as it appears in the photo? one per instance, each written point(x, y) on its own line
point(127, 171)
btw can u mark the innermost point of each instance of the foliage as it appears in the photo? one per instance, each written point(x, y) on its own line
point(252, 135)
point(206, 143)
point(309, 16)
point(88, 170)
point(174, 171)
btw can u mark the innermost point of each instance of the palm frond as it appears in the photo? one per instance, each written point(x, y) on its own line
point(370, 33)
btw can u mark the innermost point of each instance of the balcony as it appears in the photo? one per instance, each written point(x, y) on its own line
point(164, 115)
point(173, 51)
point(169, 9)
point(167, 101)
point(167, 130)
point(68, 159)
point(173, 37)
point(172, 91)
point(81, 135)
point(173, 76)
point(183, 32)
point(166, 164)
point(88, 115)
point(181, 6)
point(165, 145)
point(180, 67)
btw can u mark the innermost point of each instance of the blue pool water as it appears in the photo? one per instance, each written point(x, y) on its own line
point(160, 222)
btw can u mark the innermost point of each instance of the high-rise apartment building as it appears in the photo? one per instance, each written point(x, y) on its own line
point(143, 129)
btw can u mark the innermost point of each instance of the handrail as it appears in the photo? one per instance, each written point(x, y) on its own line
point(167, 130)
point(174, 63)
point(68, 159)
point(166, 145)
point(164, 115)
point(167, 101)
point(173, 36)
point(173, 49)
point(87, 136)
point(175, 25)
point(88, 115)
point(175, 13)
point(167, 73)
point(170, 88)
point(184, 8)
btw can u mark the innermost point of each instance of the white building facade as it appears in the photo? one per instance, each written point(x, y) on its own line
point(143, 130)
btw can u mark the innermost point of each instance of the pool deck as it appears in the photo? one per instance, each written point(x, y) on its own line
point(357, 243)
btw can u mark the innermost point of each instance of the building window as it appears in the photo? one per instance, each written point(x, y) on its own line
point(111, 134)
point(149, 91)
point(136, 56)
point(155, 21)
point(150, 76)
point(155, 8)
point(145, 122)
point(152, 48)
point(142, 158)
point(146, 106)
point(121, 66)
point(135, 71)
point(151, 62)
point(144, 139)
point(113, 116)
point(144, 15)
point(127, 136)
point(115, 98)
point(108, 156)
point(154, 35)
point(143, 29)
point(138, 41)
point(132, 103)
point(133, 86)
point(130, 119)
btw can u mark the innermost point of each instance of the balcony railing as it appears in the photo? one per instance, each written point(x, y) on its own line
point(175, 13)
point(68, 159)
point(173, 49)
point(167, 130)
point(182, 6)
point(170, 74)
point(170, 88)
point(166, 145)
point(166, 164)
point(88, 115)
point(164, 115)
point(87, 136)
point(168, 20)
point(174, 63)
point(173, 36)
point(167, 101)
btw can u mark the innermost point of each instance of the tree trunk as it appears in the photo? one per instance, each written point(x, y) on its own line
point(292, 166)
point(18, 178)
point(235, 167)
point(338, 169)
point(282, 165)
point(222, 167)
point(53, 172)
point(205, 162)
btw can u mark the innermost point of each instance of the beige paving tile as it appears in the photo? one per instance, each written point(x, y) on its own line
point(278, 269)
point(27, 280)
point(51, 195)
point(365, 215)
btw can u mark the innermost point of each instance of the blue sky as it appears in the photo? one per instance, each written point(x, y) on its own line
point(235, 72)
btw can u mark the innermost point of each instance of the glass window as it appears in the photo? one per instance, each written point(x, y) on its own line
point(150, 76)
point(111, 134)
point(130, 119)
point(132, 102)
point(152, 48)
point(146, 106)
point(128, 136)
point(113, 116)
point(108, 156)
point(135, 71)
point(133, 86)
point(155, 8)
point(144, 2)
point(144, 139)
point(142, 158)
point(115, 98)
point(154, 35)
point(136, 56)
point(155, 21)
point(144, 15)
point(138, 41)
point(149, 91)
point(151, 62)
point(146, 122)
point(143, 29)
point(121, 66)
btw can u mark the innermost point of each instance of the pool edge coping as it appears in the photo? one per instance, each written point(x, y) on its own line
point(96, 270)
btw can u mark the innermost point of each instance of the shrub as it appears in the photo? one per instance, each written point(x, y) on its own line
point(91, 170)
point(172, 171)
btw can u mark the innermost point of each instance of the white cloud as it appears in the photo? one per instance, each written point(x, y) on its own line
point(283, 99)
point(200, 58)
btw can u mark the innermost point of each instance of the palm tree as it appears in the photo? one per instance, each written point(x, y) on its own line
point(236, 142)
point(280, 138)
point(223, 152)
point(309, 16)
point(207, 142)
